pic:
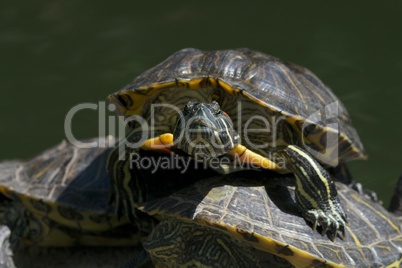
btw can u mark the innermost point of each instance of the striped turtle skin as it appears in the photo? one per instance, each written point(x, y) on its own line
point(282, 103)
point(211, 132)
point(61, 198)
point(245, 219)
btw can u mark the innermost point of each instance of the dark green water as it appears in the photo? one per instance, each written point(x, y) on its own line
point(56, 54)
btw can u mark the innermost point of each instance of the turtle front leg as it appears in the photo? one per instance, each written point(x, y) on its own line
point(243, 155)
point(316, 194)
point(162, 143)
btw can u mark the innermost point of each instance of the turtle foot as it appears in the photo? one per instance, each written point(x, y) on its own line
point(370, 194)
point(331, 223)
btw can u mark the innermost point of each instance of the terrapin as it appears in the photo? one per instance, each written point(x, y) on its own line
point(283, 115)
point(247, 220)
point(60, 198)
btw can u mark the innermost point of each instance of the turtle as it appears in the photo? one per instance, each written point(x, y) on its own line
point(246, 219)
point(239, 107)
point(6, 254)
point(188, 212)
point(60, 198)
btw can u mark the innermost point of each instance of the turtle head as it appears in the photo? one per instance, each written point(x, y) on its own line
point(204, 131)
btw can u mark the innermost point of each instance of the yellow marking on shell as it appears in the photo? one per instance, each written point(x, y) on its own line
point(395, 264)
point(293, 84)
point(212, 81)
point(358, 199)
point(43, 170)
point(228, 88)
point(292, 121)
point(141, 95)
point(158, 85)
point(52, 236)
point(85, 223)
point(236, 91)
point(138, 101)
point(383, 247)
point(315, 139)
point(357, 241)
point(195, 83)
point(300, 258)
point(6, 191)
point(70, 165)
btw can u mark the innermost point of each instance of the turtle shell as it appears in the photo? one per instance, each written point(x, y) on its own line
point(64, 174)
point(246, 212)
point(61, 198)
point(6, 254)
point(282, 88)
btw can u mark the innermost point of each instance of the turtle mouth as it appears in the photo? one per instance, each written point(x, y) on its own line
point(196, 123)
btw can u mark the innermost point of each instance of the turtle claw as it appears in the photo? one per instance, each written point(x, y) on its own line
point(315, 224)
point(332, 224)
point(370, 194)
point(342, 230)
point(325, 226)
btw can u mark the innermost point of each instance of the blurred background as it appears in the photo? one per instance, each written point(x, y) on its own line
point(57, 54)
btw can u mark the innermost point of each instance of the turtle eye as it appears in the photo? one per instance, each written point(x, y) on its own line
point(188, 107)
point(216, 108)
